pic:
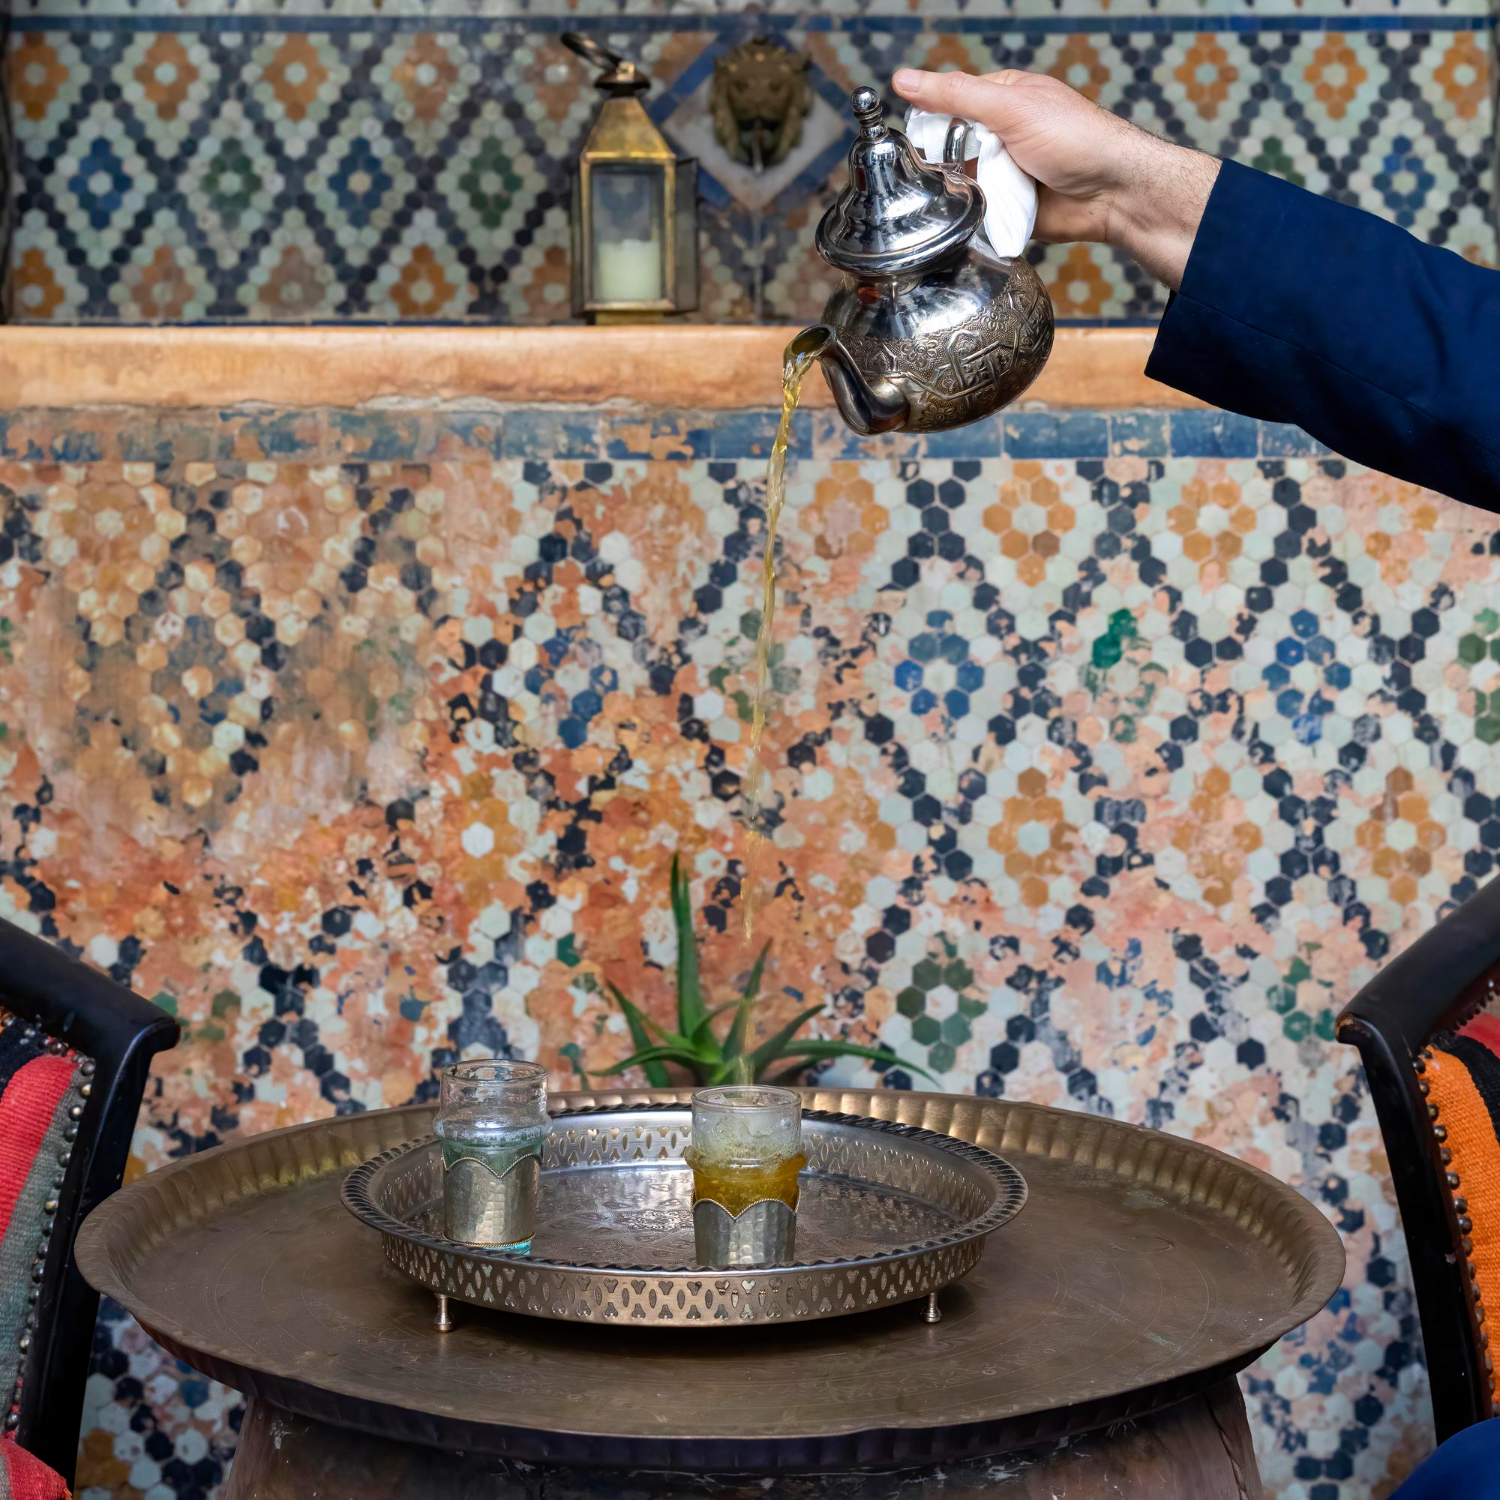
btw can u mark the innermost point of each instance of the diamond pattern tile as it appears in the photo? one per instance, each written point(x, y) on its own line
point(420, 172)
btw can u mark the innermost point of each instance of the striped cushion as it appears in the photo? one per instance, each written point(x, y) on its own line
point(37, 1088)
point(23, 1477)
point(1464, 1077)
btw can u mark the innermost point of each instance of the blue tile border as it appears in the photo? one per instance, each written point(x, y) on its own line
point(529, 432)
point(362, 436)
point(1045, 434)
point(749, 434)
point(1214, 434)
point(1142, 432)
point(1139, 434)
point(832, 438)
point(983, 439)
point(663, 435)
point(605, 435)
point(476, 433)
point(1281, 440)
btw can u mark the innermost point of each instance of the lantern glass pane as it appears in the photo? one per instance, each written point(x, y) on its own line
point(686, 296)
point(628, 214)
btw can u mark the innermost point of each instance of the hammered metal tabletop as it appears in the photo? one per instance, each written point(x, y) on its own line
point(1144, 1268)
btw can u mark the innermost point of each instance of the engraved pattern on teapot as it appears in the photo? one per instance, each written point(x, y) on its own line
point(964, 374)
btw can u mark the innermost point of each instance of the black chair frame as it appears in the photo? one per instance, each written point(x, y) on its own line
point(1434, 986)
point(119, 1033)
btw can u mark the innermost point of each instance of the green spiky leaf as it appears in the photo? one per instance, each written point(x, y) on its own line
point(822, 1051)
point(649, 1055)
point(636, 1018)
point(690, 1007)
point(774, 1047)
point(639, 1022)
point(704, 1034)
point(734, 1043)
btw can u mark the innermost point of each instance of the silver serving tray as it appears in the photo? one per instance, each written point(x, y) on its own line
point(888, 1213)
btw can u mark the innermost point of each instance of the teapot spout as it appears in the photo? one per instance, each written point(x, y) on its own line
point(868, 406)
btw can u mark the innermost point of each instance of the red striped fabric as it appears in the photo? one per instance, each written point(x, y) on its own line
point(23, 1477)
point(27, 1108)
point(1485, 1028)
point(34, 1089)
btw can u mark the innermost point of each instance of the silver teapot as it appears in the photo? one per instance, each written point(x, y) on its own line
point(928, 329)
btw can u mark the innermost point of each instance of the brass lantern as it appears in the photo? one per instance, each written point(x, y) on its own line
point(635, 206)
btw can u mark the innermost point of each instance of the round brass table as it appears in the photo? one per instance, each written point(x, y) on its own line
point(1198, 1449)
point(1142, 1274)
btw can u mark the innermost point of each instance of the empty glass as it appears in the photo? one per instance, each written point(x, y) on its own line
point(492, 1122)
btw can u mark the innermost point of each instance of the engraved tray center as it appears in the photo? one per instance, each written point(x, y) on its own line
point(642, 1215)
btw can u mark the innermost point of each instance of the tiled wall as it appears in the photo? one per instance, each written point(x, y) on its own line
point(1109, 756)
point(409, 160)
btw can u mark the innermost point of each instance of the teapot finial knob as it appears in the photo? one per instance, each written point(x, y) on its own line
point(869, 111)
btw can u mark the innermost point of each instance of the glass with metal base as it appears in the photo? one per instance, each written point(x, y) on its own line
point(492, 1121)
point(745, 1154)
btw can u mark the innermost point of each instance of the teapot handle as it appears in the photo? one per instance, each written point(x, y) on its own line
point(955, 143)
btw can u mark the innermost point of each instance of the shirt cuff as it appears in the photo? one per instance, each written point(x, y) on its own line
point(1224, 275)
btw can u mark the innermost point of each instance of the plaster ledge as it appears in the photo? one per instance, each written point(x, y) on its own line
point(686, 366)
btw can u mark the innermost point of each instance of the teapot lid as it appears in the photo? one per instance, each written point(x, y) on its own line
point(897, 213)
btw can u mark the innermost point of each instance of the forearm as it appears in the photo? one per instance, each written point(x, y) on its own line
point(1288, 307)
point(1293, 308)
point(1155, 214)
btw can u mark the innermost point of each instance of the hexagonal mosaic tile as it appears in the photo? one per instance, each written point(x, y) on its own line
point(1099, 781)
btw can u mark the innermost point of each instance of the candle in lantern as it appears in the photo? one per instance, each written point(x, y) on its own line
point(628, 270)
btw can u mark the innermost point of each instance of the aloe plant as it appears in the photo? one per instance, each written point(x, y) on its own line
point(696, 1046)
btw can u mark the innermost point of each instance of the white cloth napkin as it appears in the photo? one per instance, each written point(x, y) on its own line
point(1009, 194)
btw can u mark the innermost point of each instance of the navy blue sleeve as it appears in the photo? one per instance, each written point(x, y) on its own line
point(1294, 308)
point(1467, 1466)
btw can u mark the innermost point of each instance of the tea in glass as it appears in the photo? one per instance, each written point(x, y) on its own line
point(745, 1154)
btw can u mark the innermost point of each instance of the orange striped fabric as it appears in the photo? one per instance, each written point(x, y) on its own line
point(1464, 1079)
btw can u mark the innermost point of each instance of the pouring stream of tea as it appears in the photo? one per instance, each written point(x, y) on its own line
point(794, 371)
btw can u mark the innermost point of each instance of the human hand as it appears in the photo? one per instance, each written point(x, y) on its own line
point(1099, 178)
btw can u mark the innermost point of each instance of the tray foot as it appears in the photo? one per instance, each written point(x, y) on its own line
point(932, 1313)
point(443, 1322)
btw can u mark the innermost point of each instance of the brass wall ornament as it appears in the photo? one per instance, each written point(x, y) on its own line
point(635, 205)
point(760, 96)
